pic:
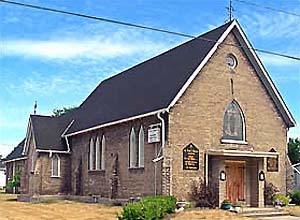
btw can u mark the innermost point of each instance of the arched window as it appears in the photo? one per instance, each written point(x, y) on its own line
point(233, 123)
point(91, 155)
point(55, 166)
point(102, 153)
point(141, 147)
point(98, 154)
point(133, 151)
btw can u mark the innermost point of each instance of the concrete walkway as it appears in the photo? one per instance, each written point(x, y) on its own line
point(281, 218)
point(268, 214)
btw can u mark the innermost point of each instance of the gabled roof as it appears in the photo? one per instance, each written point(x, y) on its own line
point(146, 87)
point(157, 84)
point(47, 131)
point(16, 152)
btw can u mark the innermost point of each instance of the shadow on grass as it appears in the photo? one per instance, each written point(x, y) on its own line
point(11, 200)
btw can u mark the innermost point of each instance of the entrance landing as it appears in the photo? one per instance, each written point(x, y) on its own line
point(268, 213)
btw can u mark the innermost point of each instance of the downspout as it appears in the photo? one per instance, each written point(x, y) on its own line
point(68, 145)
point(159, 155)
point(66, 136)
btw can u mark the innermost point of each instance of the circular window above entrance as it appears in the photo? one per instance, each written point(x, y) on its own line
point(231, 61)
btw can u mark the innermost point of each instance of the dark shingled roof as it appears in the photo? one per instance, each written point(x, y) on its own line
point(48, 130)
point(17, 152)
point(146, 87)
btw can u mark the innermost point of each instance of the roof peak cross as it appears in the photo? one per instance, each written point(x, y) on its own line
point(230, 10)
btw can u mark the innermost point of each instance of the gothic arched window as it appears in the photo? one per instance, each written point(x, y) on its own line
point(55, 166)
point(141, 147)
point(91, 155)
point(133, 150)
point(233, 123)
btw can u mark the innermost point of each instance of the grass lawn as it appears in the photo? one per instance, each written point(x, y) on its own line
point(10, 209)
point(294, 210)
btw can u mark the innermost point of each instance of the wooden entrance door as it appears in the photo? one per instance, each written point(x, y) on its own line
point(235, 181)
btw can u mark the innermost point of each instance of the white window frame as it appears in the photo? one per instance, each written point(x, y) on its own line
point(102, 154)
point(91, 154)
point(133, 158)
point(141, 147)
point(98, 154)
point(233, 141)
point(58, 165)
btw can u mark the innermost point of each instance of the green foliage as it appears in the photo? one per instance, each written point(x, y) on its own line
point(281, 200)
point(269, 192)
point(295, 196)
point(294, 150)
point(1, 162)
point(59, 112)
point(226, 201)
point(203, 195)
point(149, 208)
point(15, 182)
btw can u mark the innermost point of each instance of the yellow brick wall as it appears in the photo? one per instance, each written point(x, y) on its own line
point(198, 117)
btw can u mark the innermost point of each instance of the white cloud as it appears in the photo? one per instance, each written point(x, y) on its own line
point(273, 25)
point(278, 61)
point(77, 49)
point(294, 132)
point(6, 148)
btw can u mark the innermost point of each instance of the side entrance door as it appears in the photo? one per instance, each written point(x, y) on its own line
point(235, 181)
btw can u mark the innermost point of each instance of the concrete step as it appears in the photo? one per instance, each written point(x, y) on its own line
point(266, 214)
point(246, 210)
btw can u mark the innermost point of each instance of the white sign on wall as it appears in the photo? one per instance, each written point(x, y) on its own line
point(154, 134)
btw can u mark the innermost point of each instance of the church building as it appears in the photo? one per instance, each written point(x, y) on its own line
point(206, 110)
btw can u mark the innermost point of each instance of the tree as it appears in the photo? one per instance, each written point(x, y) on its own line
point(1, 162)
point(15, 182)
point(61, 111)
point(294, 150)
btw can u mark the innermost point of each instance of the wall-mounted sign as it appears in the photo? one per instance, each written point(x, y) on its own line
point(272, 163)
point(190, 157)
point(153, 134)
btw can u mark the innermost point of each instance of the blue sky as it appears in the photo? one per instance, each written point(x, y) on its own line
point(58, 59)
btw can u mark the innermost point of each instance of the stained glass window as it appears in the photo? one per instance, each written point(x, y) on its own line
point(233, 124)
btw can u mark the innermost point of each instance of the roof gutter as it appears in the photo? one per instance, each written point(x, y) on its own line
point(17, 159)
point(53, 151)
point(114, 122)
point(298, 171)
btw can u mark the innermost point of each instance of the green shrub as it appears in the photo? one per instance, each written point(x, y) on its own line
point(281, 200)
point(269, 192)
point(295, 196)
point(149, 208)
point(203, 195)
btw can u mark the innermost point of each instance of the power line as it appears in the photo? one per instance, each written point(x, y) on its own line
point(144, 27)
point(268, 8)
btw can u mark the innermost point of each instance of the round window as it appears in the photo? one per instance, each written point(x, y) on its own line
point(231, 61)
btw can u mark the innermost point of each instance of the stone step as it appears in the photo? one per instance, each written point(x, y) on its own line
point(260, 210)
point(281, 218)
point(265, 214)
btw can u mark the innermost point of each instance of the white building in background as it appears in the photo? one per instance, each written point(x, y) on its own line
point(2, 178)
point(297, 175)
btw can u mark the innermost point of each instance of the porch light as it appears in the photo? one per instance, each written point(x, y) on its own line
point(222, 175)
point(261, 176)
